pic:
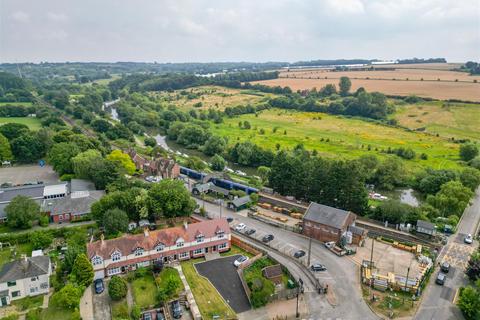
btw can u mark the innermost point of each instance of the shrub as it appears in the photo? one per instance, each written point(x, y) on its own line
point(34, 314)
point(43, 221)
point(117, 288)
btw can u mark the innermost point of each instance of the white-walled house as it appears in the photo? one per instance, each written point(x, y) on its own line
point(110, 257)
point(24, 277)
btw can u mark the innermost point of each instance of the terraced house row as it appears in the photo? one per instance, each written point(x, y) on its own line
point(129, 252)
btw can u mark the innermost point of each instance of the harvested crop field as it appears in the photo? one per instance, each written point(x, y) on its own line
point(466, 91)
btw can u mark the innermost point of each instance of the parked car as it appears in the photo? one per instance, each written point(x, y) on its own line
point(318, 267)
point(440, 279)
point(330, 244)
point(147, 316)
point(99, 287)
point(250, 232)
point(445, 267)
point(299, 254)
point(239, 261)
point(468, 239)
point(240, 226)
point(267, 238)
point(229, 219)
point(176, 309)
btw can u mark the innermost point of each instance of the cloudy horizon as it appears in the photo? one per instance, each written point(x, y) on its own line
point(255, 31)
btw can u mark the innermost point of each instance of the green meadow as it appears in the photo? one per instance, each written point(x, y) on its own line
point(32, 123)
point(338, 137)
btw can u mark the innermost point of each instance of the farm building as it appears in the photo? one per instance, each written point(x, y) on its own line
point(326, 224)
point(425, 227)
point(239, 203)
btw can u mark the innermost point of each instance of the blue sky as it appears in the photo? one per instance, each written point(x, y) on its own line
point(224, 30)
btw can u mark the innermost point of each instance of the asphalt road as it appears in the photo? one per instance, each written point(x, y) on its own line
point(342, 275)
point(224, 276)
point(437, 301)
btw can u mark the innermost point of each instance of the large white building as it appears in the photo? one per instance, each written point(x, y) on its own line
point(24, 277)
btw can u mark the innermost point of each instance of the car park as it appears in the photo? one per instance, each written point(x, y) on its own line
point(440, 279)
point(445, 267)
point(176, 309)
point(298, 254)
point(240, 260)
point(99, 287)
point(250, 232)
point(240, 227)
point(468, 239)
point(267, 238)
point(318, 267)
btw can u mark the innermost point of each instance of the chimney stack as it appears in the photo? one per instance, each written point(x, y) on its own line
point(102, 237)
point(145, 232)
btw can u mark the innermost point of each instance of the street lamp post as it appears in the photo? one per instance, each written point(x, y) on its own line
point(300, 284)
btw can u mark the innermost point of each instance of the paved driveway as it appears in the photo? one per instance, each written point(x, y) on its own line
point(101, 304)
point(223, 275)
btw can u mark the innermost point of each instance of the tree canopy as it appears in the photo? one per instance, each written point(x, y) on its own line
point(21, 212)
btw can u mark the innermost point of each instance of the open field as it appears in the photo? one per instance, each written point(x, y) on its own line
point(339, 137)
point(25, 104)
point(214, 97)
point(32, 123)
point(467, 91)
point(457, 120)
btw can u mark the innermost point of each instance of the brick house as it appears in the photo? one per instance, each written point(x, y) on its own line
point(162, 167)
point(326, 223)
point(110, 257)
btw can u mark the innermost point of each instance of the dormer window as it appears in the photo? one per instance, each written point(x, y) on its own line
point(97, 260)
point(220, 233)
point(160, 247)
point(116, 256)
point(200, 238)
point(180, 243)
point(139, 252)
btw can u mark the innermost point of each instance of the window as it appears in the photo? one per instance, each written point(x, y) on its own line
point(60, 217)
point(200, 238)
point(44, 285)
point(11, 283)
point(116, 256)
point(67, 216)
point(220, 234)
point(222, 246)
point(15, 294)
point(34, 279)
point(138, 252)
point(180, 244)
point(113, 271)
point(198, 251)
point(184, 255)
point(97, 260)
point(160, 247)
point(34, 289)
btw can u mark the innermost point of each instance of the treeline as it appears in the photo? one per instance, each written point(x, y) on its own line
point(12, 110)
point(417, 60)
point(331, 62)
point(14, 89)
point(471, 67)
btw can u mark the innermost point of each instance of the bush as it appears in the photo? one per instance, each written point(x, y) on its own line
point(117, 288)
point(68, 297)
point(136, 312)
point(41, 239)
point(34, 314)
point(43, 221)
point(13, 316)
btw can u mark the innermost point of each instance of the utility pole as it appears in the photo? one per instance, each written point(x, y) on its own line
point(309, 250)
point(371, 255)
point(299, 286)
point(406, 281)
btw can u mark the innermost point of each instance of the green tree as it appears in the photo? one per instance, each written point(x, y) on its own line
point(390, 174)
point(473, 268)
point(452, 199)
point(150, 142)
point(114, 221)
point(246, 125)
point(117, 288)
point(102, 173)
point(5, 149)
point(214, 145)
point(218, 163)
point(21, 212)
point(169, 198)
point(41, 239)
point(468, 151)
point(169, 288)
point(344, 85)
point(469, 303)
point(263, 173)
point(82, 163)
point(195, 163)
point(60, 157)
point(82, 271)
point(123, 162)
point(13, 130)
point(470, 178)
point(394, 211)
point(28, 148)
point(68, 297)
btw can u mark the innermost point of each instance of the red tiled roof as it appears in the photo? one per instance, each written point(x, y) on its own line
point(128, 243)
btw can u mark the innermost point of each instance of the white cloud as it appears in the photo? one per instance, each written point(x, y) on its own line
point(346, 6)
point(57, 17)
point(21, 16)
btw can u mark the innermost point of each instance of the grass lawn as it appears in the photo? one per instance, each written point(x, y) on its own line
point(32, 123)
point(53, 312)
point(120, 310)
point(397, 304)
point(236, 250)
point(6, 255)
point(167, 273)
point(28, 302)
point(209, 301)
point(459, 120)
point(24, 104)
point(338, 137)
point(145, 291)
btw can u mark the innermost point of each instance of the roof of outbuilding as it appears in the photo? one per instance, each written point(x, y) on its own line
point(31, 191)
point(425, 224)
point(241, 201)
point(356, 230)
point(81, 185)
point(72, 205)
point(272, 271)
point(326, 215)
point(24, 268)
